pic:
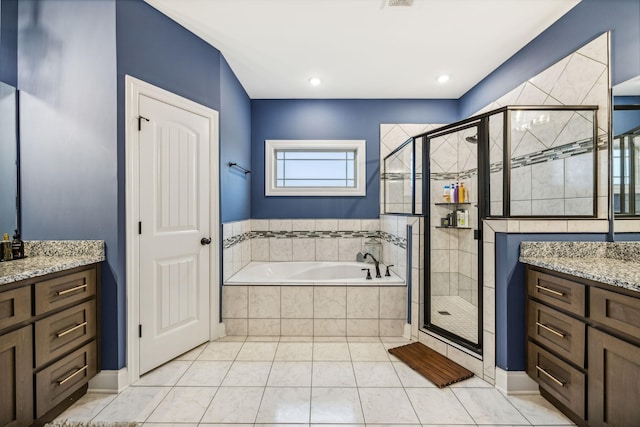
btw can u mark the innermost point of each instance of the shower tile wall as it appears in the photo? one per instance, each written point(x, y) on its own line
point(558, 186)
point(454, 252)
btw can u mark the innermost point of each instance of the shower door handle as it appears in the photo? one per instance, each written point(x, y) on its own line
point(477, 235)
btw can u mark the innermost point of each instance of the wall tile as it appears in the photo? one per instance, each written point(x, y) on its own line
point(280, 249)
point(393, 302)
point(236, 327)
point(370, 225)
point(326, 249)
point(264, 327)
point(326, 224)
point(297, 302)
point(260, 249)
point(489, 360)
point(227, 230)
point(433, 343)
point(363, 302)
point(489, 309)
point(348, 249)
point(303, 225)
point(235, 301)
point(547, 180)
point(304, 249)
point(329, 302)
point(264, 302)
point(349, 225)
point(280, 224)
point(246, 252)
point(362, 327)
point(296, 327)
point(391, 327)
point(329, 327)
point(259, 225)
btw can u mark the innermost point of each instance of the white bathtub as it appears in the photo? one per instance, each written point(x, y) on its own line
point(312, 273)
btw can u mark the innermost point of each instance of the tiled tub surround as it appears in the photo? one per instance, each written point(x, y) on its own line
point(50, 256)
point(319, 310)
point(616, 264)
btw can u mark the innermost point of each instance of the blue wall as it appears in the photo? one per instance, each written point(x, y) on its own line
point(511, 294)
point(580, 25)
point(235, 146)
point(154, 48)
point(66, 74)
point(331, 119)
point(9, 42)
point(625, 120)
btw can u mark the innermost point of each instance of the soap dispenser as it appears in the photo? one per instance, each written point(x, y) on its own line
point(374, 247)
point(17, 246)
point(7, 253)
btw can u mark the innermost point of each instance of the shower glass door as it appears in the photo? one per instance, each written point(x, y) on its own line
point(453, 305)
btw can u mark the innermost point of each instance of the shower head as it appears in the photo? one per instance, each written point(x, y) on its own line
point(472, 139)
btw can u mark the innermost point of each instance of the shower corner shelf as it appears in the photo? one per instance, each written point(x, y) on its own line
point(457, 228)
point(451, 204)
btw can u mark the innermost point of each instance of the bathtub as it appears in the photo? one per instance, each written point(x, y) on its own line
point(312, 273)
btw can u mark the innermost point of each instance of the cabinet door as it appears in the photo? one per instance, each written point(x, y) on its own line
point(16, 378)
point(614, 381)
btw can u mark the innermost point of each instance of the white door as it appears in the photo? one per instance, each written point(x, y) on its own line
point(174, 179)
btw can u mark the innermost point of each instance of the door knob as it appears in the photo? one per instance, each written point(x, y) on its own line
point(205, 241)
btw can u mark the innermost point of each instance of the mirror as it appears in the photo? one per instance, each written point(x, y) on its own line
point(9, 161)
point(626, 148)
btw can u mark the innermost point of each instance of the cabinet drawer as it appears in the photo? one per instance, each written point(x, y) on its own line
point(64, 290)
point(557, 292)
point(62, 332)
point(15, 306)
point(61, 379)
point(617, 311)
point(558, 332)
point(557, 377)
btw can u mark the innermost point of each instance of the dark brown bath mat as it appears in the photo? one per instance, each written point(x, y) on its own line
point(431, 364)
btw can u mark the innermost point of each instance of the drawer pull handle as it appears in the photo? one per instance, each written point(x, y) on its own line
point(71, 329)
point(75, 288)
point(554, 379)
point(551, 291)
point(553, 331)
point(84, 368)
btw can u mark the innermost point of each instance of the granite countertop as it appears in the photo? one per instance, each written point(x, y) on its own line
point(44, 257)
point(616, 264)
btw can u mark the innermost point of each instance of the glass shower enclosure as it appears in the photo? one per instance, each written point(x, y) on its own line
point(514, 162)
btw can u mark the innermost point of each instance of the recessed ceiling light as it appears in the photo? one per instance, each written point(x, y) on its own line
point(443, 78)
point(315, 81)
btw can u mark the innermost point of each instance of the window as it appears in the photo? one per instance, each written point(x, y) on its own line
point(315, 168)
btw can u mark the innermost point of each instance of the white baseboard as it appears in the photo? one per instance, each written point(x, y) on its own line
point(407, 331)
point(110, 381)
point(515, 382)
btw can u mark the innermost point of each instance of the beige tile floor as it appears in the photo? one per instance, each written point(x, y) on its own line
point(240, 381)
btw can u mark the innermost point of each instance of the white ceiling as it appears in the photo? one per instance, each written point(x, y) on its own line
point(364, 48)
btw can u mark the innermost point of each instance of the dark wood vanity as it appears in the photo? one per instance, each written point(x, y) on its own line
point(49, 345)
point(583, 347)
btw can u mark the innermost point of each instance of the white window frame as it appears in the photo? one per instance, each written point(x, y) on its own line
point(358, 145)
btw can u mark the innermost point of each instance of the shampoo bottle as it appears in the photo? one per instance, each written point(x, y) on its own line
point(462, 193)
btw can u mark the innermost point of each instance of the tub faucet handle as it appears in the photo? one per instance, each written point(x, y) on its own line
point(368, 273)
point(387, 274)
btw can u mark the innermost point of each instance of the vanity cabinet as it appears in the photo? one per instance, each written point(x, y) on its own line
point(583, 347)
point(48, 344)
